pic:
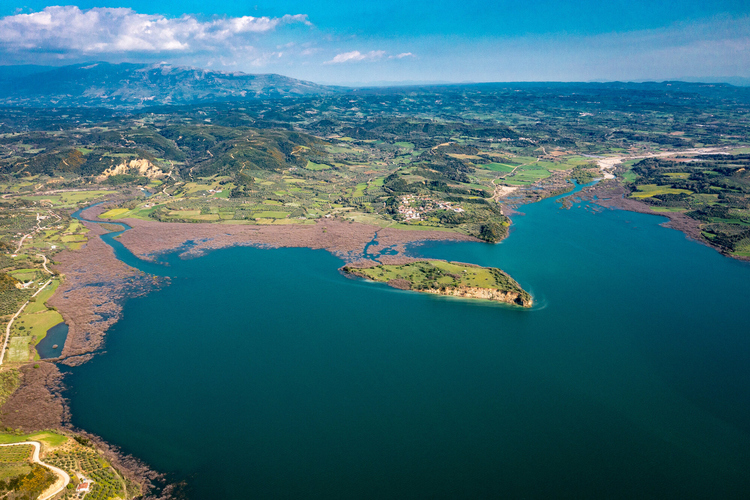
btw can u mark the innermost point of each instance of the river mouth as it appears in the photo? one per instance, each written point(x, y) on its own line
point(265, 373)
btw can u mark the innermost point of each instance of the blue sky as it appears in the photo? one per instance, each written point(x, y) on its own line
point(387, 40)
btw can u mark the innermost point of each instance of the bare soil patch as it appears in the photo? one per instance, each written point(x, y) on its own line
point(401, 284)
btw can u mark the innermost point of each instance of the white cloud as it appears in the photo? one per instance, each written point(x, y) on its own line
point(121, 30)
point(356, 56)
point(402, 55)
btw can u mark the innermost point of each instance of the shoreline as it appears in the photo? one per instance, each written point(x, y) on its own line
point(90, 302)
point(91, 297)
point(97, 282)
point(343, 239)
point(96, 285)
point(38, 405)
point(611, 194)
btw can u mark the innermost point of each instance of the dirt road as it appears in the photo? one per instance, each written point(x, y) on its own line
point(10, 323)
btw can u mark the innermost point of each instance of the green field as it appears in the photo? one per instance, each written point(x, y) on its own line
point(184, 213)
point(317, 166)
point(527, 175)
point(73, 238)
point(629, 176)
point(11, 470)
point(664, 209)
point(271, 215)
point(37, 323)
point(47, 437)
point(115, 213)
point(38, 304)
point(69, 198)
point(550, 165)
point(18, 349)
point(417, 273)
point(84, 196)
point(24, 274)
point(649, 190)
point(496, 167)
point(194, 187)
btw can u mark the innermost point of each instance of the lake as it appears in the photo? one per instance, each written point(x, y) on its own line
point(264, 373)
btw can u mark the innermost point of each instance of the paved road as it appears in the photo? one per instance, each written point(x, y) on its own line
point(63, 479)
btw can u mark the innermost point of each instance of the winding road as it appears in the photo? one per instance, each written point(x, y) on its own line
point(63, 479)
point(44, 264)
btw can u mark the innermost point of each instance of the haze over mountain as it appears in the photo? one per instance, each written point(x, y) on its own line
point(134, 85)
point(130, 86)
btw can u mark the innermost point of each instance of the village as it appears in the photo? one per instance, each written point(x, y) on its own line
point(413, 206)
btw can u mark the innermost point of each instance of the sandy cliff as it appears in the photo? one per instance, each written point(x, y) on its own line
point(515, 298)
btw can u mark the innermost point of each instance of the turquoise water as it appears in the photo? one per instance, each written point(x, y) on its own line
point(266, 374)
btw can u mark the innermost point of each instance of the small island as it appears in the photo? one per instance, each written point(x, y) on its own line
point(448, 278)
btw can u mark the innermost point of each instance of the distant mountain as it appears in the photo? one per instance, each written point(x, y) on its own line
point(737, 81)
point(134, 85)
point(400, 83)
point(9, 72)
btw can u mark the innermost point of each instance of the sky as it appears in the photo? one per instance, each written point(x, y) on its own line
point(355, 42)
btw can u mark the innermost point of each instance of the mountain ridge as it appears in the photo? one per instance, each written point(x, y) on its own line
point(132, 85)
point(129, 86)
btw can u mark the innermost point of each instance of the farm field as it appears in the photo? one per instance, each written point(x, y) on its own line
point(18, 349)
point(36, 324)
point(649, 190)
